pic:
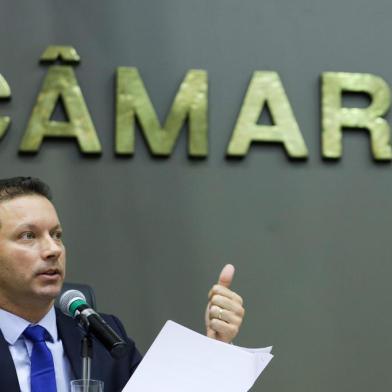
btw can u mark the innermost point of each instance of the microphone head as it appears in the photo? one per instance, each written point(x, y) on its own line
point(68, 299)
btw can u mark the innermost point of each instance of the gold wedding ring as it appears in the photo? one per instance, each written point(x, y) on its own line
point(220, 313)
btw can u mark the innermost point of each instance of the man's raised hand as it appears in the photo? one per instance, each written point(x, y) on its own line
point(225, 312)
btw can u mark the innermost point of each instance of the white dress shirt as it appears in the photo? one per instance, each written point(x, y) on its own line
point(12, 327)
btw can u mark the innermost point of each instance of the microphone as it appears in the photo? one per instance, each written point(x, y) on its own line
point(73, 303)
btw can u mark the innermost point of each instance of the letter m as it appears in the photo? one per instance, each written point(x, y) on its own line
point(190, 103)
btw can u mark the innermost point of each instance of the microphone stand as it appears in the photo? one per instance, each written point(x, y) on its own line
point(87, 355)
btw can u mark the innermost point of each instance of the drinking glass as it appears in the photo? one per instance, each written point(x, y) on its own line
point(86, 386)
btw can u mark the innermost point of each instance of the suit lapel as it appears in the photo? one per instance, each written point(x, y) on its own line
point(71, 336)
point(8, 375)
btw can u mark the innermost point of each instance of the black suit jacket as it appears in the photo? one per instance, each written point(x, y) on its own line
point(114, 373)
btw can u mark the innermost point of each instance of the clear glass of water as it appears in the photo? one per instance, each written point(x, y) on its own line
point(86, 386)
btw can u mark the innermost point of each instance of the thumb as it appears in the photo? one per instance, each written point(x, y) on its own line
point(226, 275)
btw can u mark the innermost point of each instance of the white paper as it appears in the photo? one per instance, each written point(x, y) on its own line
point(181, 360)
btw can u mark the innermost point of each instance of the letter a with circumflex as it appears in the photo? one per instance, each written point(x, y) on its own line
point(61, 84)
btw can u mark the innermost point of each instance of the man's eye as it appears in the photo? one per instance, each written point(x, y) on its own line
point(28, 235)
point(58, 235)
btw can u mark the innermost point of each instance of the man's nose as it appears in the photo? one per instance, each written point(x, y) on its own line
point(51, 249)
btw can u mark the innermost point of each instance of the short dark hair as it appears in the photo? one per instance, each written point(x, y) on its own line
point(20, 186)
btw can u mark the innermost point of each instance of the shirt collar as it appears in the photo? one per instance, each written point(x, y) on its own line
point(12, 326)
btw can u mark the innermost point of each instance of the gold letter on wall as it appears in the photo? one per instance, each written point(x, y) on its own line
point(266, 88)
point(67, 54)
point(335, 117)
point(60, 84)
point(5, 92)
point(133, 101)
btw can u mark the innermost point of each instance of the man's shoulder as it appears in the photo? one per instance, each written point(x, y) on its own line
point(115, 373)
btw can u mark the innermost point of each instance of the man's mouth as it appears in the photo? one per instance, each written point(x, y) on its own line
point(50, 272)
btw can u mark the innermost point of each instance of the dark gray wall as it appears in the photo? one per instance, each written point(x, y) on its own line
point(311, 240)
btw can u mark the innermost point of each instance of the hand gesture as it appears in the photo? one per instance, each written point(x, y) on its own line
point(225, 312)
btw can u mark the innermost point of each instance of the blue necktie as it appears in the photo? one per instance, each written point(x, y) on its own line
point(42, 377)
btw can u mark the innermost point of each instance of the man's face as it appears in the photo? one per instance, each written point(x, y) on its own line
point(32, 254)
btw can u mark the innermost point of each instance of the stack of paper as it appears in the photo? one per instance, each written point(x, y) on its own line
point(181, 360)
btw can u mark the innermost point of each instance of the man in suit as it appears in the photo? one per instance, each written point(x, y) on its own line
point(39, 346)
